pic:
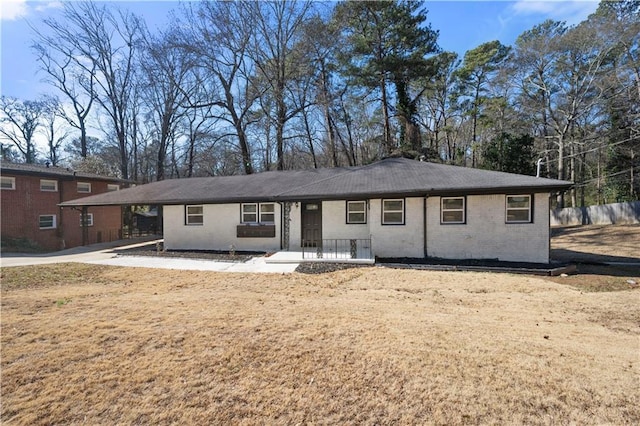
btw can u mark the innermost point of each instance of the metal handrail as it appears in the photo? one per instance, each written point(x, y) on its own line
point(337, 249)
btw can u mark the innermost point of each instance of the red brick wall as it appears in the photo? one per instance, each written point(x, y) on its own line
point(21, 208)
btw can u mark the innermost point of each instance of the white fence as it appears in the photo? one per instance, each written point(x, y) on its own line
point(605, 214)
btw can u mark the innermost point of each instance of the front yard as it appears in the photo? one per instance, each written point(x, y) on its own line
point(105, 345)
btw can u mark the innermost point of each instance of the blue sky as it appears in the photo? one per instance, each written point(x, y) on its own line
point(463, 25)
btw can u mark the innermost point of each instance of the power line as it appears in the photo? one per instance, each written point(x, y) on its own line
point(606, 145)
point(586, 182)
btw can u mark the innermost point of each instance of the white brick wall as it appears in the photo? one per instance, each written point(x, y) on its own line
point(218, 231)
point(334, 222)
point(486, 235)
point(398, 240)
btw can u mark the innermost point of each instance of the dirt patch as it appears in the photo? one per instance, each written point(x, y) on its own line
point(607, 256)
point(366, 345)
point(596, 243)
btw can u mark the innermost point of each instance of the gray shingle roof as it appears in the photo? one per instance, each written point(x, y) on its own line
point(51, 171)
point(386, 178)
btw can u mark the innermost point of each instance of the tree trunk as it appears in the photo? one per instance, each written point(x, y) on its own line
point(560, 170)
point(388, 144)
point(572, 165)
point(309, 138)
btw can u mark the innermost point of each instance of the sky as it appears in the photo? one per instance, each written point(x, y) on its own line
point(463, 25)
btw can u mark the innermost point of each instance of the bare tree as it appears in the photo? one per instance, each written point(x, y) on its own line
point(166, 70)
point(279, 28)
point(54, 129)
point(19, 122)
point(59, 61)
point(104, 45)
point(219, 34)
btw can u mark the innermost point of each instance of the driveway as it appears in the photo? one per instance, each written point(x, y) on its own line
point(105, 254)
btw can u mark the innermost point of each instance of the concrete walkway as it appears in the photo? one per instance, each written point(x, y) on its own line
point(104, 254)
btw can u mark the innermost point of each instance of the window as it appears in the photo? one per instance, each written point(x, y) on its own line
point(249, 213)
point(258, 213)
point(86, 220)
point(393, 212)
point(356, 212)
point(267, 213)
point(8, 182)
point(194, 215)
point(452, 210)
point(518, 209)
point(47, 221)
point(113, 187)
point(84, 187)
point(48, 185)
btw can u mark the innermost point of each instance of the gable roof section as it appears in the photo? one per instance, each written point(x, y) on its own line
point(392, 177)
point(51, 172)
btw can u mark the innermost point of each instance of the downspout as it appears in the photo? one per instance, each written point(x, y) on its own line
point(281, 224)
point(424, 221)
point(549, 229)
point(60, 230)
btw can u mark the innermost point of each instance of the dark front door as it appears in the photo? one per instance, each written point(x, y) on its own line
point(312, 224)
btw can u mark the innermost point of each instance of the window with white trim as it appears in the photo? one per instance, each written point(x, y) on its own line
point(86, 220)
point(84, 187)
point(518, 209)
point(47, 221)
point(393, 212)
point(452, 210)
point(7, 182)
point(356, 212)
point(249, 213)
point(194, 215)
point(257, 213)
point(267, 213)
point(48, 185)
point(113, 187)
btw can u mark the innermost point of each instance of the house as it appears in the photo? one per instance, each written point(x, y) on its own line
point(393, 208)
point(30, 195)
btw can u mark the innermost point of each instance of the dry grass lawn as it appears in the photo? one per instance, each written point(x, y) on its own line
point(105, 345)
point(597, 243)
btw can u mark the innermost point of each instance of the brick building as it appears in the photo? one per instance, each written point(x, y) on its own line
point(29, 199)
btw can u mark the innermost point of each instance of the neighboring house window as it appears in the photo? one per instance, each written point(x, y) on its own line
point(86, 220)
point(258, 213)
point(48, 185)
point(518, 209)
point(47, 221)
point(8, 182)
point(113, 187)
point(393, 212)
point(356, 212)
point(84, 187)
point(452, 210)
point(194, 215)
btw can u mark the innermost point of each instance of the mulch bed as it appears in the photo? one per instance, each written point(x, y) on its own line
point(223, 256)
point(324, 267)
point(491, 263)
point(485, 265)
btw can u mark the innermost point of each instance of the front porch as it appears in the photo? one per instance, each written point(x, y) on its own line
point(357, 251)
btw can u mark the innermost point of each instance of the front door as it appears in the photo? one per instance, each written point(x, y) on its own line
point(312, 224)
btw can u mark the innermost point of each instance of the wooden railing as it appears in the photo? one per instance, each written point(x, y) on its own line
point(337, 249)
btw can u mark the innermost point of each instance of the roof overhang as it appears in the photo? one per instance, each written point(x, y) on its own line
point(385, 179)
